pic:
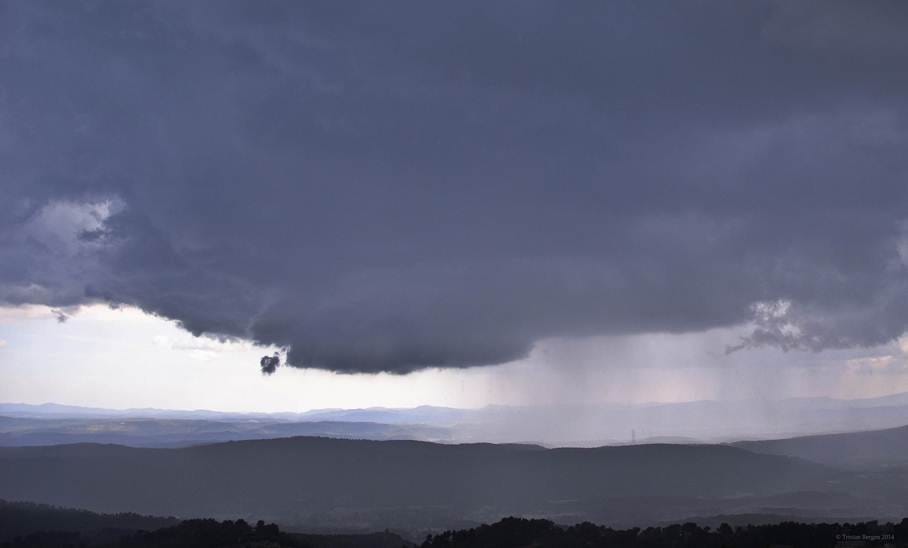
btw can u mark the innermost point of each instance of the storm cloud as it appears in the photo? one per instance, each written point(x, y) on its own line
point(390, 187)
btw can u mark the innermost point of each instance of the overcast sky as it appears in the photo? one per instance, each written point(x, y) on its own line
point(576, 191)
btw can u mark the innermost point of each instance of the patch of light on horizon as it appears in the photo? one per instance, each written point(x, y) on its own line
point(125, 357)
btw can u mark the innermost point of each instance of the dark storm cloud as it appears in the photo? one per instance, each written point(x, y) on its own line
point(390, 187)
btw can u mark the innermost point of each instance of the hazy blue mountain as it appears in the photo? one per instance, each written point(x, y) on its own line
point(425, 414)
point(418, 415)
point(53, 410)
point(574, 425)
point(149, 432)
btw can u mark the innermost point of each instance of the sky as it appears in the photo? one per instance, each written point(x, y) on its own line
point(460, 204)
point(124, 358)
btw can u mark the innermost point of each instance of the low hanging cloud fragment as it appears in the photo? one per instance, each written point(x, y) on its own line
point(270, 364)
point(372, 191)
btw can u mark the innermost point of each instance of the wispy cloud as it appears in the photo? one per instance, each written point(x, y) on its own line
point(201, 348)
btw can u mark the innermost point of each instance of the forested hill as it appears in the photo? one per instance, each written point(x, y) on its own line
point(20, 519)
point(29, 525)
point(390, 482)
point(520, 533)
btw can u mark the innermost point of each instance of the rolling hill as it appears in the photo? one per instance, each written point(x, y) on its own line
point(362, 484)
point(871, 448)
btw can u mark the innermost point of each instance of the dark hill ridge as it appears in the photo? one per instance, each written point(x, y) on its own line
point(19, 519)
point(389, 481)
point(854, 449)
point(29, 525)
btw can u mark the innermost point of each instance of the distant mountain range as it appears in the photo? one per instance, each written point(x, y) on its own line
point(586, 426)
point(150, 432)
point(422, 415)
point(361, 485)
